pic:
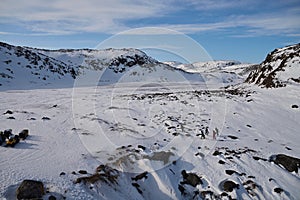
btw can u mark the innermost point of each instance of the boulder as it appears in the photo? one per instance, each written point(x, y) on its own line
point(30, 189)
point(191, 179)
point(288, 162)
point(228, 185)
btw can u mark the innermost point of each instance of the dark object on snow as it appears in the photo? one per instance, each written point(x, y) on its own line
point(52, 197)
point(289, 163)
point(295, 106)
point(142, 147)
point(32, 118)
point(12, 140)
point(30, 189)
point(202, 135)
point(140, 176)
point(221, 162)
point(82, 172)
point(137, 186)
point(62, 174)
point(232, 137)
point(230, 172)
point(190, 179)
point(45, 118)
point(182, 190)
point(206, 131)
point(7, 133)
point(278, 190)
point(216, 153)
point(9, 112)
point(2, 137)
point(24, 134)
point(11, 117)
point(228, 185)
point(259, 158)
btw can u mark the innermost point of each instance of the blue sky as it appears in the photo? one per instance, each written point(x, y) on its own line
point(244, 30)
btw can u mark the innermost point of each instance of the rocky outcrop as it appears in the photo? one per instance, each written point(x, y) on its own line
point(280, 67)
point(30, 189)
point(288, 162)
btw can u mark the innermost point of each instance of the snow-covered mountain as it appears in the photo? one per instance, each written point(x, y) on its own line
point(24, 67)
point(281, 67)
point(227, 72)
point(147, 140)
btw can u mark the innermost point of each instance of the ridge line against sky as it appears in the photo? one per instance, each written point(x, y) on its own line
point(228, 29)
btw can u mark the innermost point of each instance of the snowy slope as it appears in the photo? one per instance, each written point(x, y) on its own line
point(141, 140)
point(24, 67)
point(279, 68)
point(225, 72)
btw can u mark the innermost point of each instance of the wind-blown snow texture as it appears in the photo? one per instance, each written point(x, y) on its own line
point(138, 136)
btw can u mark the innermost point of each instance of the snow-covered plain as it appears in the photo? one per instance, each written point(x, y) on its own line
point(152, 127)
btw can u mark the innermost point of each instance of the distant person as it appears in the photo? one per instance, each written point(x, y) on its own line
point(206, 131)
point(202, 134)
point(217, 131)
point(214, 134)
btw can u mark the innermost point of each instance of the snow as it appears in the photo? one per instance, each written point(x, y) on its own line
point(105, 123)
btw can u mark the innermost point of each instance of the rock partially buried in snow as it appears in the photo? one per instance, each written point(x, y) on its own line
point(289, 163)
point(190, 179)
point(228, 185)
point(30, 189)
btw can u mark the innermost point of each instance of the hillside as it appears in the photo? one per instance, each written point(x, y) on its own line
point(25, 68)
point(281, 67)
point(147, 135)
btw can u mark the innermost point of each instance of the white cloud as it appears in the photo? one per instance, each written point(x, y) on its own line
point(61, 17)
point(251, 25)
point(64, 16)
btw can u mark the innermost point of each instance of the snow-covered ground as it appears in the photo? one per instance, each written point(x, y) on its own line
point(145, 134)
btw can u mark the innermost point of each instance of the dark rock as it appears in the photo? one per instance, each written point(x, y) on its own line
point(45, 118)
point(288, 148)
point(137, 186)
point(7, 133)
point(232, 137)
point(52, 197)
point(8, 112)
point(62, 174)
point(230, 172)
point(32, 118)
point(24, 134)
point(223, 194)
point(295, 106)
point(221, 162)
point(142, 147)
point(217, 153)
point(228, 185)
point(181, 189)
point(191, 179)
point(11, 117)
point(30, 189)
point(259, 158)
point(289, 163)
point(278, 190)
point(140, 176)
point(82, 172)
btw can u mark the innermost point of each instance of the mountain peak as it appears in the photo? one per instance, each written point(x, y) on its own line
point(278, 69)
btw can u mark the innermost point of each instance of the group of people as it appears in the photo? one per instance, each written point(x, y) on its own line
point(205, 132)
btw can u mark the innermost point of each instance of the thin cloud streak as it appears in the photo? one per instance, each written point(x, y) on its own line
point(59, 17)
